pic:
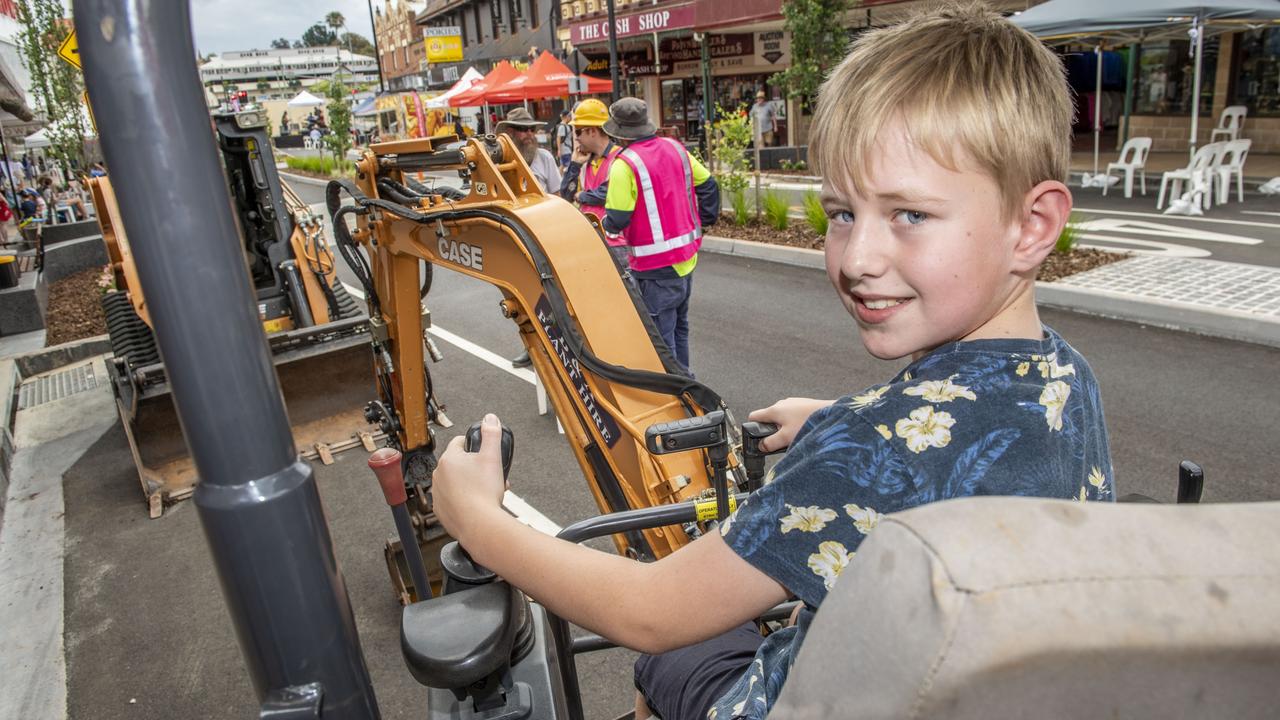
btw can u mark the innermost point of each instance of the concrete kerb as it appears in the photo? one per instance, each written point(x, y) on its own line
point(1227, 324)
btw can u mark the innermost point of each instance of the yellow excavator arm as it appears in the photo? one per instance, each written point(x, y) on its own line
point(584, 326)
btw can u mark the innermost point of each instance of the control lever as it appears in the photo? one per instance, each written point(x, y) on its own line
point(752, 456)
point(459, 569)
point(696, 433)
point(386, 465)
point(1190, 482)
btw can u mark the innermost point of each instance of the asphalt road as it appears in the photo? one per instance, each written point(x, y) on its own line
point(148, 635)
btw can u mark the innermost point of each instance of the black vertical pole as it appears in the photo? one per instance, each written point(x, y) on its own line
point(257, 501)
point(613, 57)
point(8, 173)
point(377, 51)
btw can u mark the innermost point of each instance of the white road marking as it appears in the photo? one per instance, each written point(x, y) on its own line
point(1143, 247)
point(1180, 218)
point(523, 511)
point(1142, 227)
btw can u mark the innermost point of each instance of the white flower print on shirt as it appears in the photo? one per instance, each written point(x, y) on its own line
point(830, 560)
point(863, 518)
point(1054, 399)
point(925, 428)
point(807, 519)
point(940, 391)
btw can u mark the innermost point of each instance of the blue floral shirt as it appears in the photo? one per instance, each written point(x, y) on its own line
point(985, 417)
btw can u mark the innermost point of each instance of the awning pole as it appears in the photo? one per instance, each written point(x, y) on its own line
point(1198, 30)
point(1097, 109)
point(1134, 49)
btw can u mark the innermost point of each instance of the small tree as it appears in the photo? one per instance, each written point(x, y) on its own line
point(818, 43)
point(56, 86)
point(730, 138)
point(280, 44)
point(339, 138)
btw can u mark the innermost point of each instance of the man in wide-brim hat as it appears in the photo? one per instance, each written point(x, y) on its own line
point(523, 128)
point(659, 199)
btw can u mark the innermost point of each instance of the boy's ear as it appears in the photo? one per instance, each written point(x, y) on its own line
point(1045, 211)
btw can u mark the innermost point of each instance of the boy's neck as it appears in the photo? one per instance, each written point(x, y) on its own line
point(1017, 319)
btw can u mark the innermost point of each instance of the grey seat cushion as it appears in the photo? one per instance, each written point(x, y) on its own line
point(1026, 608)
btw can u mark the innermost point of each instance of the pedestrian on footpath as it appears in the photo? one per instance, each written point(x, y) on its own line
point(764, 121)
point(586, 179)
point(522, 128)
point(563, 142)
point(659, 199)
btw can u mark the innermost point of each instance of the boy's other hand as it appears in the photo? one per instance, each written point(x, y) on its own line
point(789, 415)
point(466, 485)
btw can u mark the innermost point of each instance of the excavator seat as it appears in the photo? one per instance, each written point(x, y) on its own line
point(457, 640)
point(1028, 608)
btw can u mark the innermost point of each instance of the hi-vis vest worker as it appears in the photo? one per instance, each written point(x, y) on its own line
point(659, 199)
point(586, 179)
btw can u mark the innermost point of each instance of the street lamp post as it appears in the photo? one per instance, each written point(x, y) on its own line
point(613, 56)
point(377, 52)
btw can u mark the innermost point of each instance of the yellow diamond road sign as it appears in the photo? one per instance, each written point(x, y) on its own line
point(69, 50)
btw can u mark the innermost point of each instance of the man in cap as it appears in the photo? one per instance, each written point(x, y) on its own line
point(586, 179)
point(658, 200)
point(522, 128)
point(564, 138)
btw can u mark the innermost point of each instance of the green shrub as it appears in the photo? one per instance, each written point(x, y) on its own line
point(815, 214)
point(1070, 235)
point(321, 165)
point(776, 208)
point(741, 211)
point(730, 138)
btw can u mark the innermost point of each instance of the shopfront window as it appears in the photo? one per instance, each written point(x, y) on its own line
point(1166, 76)
point(1258, 78)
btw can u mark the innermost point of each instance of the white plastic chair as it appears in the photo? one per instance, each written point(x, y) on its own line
point(1231, 164)
point(1230, 124)
point(1197, 175)
point(1133, 158)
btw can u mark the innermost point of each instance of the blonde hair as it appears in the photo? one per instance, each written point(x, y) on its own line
point(966, 83)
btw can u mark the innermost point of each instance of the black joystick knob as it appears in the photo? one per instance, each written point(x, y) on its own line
point(752, 454)
point(508, 445)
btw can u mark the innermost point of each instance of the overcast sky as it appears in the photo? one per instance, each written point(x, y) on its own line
point(224, 25)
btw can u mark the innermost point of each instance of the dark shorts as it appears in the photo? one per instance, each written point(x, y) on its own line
point(683, 684)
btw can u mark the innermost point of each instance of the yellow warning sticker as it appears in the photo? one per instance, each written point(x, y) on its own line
point(706, 509)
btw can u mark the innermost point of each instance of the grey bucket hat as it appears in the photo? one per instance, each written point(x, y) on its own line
point(629, 120)
point(520, 118)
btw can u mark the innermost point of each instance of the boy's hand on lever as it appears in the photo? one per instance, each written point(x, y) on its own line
point(468, 485)
point(789, 415)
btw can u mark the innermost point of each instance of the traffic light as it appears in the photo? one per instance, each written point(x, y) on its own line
point(242, 96)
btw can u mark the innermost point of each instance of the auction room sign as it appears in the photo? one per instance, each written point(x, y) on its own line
point(668, 18)
point(444, 44)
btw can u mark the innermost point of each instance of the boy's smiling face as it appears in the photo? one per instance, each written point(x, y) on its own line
point(924, 255)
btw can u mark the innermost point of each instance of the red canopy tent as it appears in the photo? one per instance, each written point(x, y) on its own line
point(547, 77)
point(501, 73)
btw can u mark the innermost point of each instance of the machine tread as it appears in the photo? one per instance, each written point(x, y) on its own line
point(130, 337)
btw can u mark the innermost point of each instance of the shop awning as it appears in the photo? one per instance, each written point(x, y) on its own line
point(500, 74)
point(468, 79)
point(369, 106)
point(1096, 21)
point(1088, 18)
point(547, 77)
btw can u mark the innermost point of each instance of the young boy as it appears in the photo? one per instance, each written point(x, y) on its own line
point(944, 142)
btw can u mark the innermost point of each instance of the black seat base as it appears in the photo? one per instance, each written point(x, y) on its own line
point(457, 640)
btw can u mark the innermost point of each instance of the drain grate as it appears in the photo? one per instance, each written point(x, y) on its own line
point(48, 388)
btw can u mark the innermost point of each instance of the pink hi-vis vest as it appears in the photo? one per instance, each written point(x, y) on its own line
point(594, 178)
point(664, 228)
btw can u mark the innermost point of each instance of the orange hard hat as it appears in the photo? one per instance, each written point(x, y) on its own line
point(590, 113)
